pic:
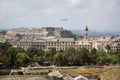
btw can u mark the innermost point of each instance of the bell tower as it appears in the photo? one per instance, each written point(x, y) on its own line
point(86, 32)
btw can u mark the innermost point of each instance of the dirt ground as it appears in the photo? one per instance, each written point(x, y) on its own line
point(22, 77)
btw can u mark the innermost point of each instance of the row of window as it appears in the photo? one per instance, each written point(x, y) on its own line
point(51, 43)
point(54, 45)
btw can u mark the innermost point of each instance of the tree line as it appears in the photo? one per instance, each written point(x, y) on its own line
point(15, 57)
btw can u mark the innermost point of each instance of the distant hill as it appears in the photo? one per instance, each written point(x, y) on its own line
point(97, 33)
point(5, 29)
point(92, 34)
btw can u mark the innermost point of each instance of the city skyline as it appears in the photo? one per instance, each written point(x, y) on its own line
point(100, 15)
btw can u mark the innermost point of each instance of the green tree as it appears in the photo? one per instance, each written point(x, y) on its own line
point(5, 60)
point(51, 53)
point(101, 57)
point(58, 58)
point(102, 60)
point(78, 58)
point(93, 56)
point(40, 59)
point(34, 51)
point(118, 54)
point(84, 55)
point(113, 59)
point(12, 52)
point(108, 48)
point(69, 55)
point(93, 51)
point(22, 59)
point(101, 53)
point(4, 46)
point(4, 57)
point(12, 58)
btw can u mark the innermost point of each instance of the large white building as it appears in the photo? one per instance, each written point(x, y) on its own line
point(48, 37)
point(2, 38)
point(60, 41)
point(115, 44)
point(101, 42)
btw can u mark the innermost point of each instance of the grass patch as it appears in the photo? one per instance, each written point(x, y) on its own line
point(84, 71)
point(111, 74)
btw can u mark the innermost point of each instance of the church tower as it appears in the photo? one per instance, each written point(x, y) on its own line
point(86, 32)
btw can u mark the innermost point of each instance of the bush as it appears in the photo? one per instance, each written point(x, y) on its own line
point(4, 72)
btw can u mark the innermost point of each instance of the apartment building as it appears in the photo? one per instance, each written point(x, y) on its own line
point(48, 37)
point(115, 44)
point(60, 43)
point(2, 38)
point(101, 42)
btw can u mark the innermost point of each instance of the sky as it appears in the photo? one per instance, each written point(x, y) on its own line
point(98, 15)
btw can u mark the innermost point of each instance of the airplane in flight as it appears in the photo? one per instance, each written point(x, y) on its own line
point(64, 19)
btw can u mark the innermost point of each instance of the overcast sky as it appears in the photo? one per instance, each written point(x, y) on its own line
point(102, 15)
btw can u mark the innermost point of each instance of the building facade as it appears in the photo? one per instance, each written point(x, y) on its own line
point(49, 37)
point(115, 44)
point(60, 41)
point(38, 33)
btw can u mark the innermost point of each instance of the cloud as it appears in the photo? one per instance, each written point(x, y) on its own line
point(11, 9)
point(73, 3)
point(48, 11)
point(97, 14)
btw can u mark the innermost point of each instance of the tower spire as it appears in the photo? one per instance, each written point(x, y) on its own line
point(86, 32)
point(86, 29)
